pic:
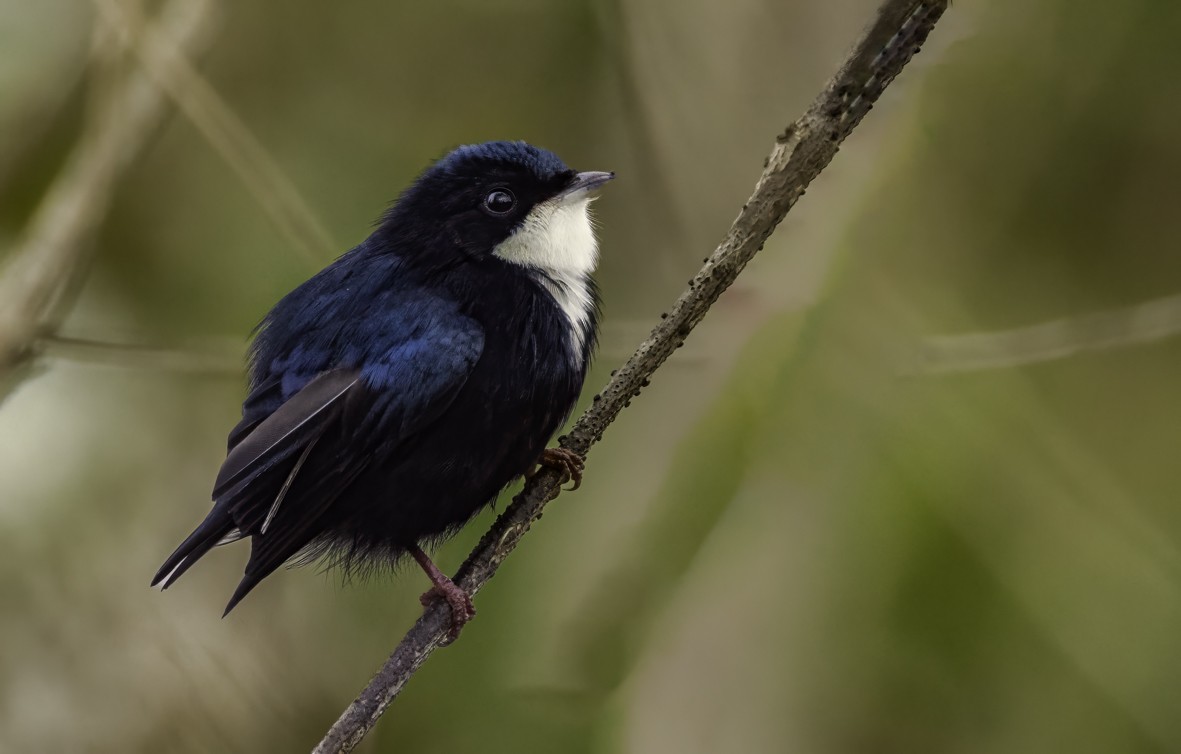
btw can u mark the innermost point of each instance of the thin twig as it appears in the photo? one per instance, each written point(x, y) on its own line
point(227, 357)
point(1116, 328)
point(173, 72)
point(52, 256)
point(799, 154)
point(215, 360)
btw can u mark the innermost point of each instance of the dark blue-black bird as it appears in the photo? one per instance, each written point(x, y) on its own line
point(394, 394)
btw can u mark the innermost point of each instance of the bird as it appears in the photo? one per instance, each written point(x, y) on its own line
point(395, 393)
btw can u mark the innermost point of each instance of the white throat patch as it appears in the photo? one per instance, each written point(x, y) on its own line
point(557, 241)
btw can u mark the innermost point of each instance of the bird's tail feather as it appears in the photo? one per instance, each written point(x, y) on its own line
point(216, 526)
point(248, 582)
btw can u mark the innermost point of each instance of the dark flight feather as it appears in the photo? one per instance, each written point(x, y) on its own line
point(303, 457)
point(289, 427)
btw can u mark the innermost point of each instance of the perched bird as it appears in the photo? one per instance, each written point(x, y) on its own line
point(394, 394)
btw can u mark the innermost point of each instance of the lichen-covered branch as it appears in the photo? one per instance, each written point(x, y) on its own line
point(803, 150)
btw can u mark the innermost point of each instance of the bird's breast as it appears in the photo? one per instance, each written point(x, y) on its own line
point(573, 296)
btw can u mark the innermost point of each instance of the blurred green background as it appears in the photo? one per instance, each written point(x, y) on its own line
point(818, 531)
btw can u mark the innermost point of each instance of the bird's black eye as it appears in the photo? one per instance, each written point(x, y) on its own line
point(500, 201)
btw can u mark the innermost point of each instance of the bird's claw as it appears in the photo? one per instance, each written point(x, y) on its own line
point(566, 461)
point(460, 602)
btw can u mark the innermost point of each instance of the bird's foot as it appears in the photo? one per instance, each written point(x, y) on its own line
point(566, 461)
point(443, 588)
point(462, 609)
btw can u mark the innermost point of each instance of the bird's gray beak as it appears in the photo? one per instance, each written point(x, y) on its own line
point(583, 184)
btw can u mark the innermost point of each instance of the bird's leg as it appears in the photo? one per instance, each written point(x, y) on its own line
point(462, 609)
point(566, 461)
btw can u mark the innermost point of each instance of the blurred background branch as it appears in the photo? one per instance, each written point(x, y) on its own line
point(1117, 328)
point(168, 65)
point(224, 359)
point(799, 155)
point(42, 273)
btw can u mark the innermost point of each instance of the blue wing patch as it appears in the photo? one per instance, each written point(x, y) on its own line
point(317, 411)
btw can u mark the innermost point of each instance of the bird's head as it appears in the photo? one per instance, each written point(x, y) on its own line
point(501, 200)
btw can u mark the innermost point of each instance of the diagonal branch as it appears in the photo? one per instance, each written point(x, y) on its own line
point(174, 72)
point(799, 154)
point(52, 257)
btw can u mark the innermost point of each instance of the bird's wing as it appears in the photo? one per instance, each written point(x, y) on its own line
point(328, 437)
point(285, 470)
point(294, 424)
point(265, 397)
